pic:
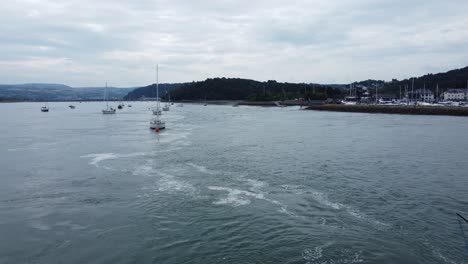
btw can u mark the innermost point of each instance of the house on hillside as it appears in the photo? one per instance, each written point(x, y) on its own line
point(455, 95)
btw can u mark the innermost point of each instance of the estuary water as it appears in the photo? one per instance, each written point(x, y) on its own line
point(230, 185)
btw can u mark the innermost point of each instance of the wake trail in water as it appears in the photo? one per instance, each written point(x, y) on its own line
point(96, 158)
point(323, 199)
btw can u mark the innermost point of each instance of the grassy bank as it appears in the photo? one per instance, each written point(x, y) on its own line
point(386, 109)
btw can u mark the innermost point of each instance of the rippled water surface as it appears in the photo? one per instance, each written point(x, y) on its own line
point(230, 185)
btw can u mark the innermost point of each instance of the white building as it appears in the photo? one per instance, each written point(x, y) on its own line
point(455, 95)
point(421, 95)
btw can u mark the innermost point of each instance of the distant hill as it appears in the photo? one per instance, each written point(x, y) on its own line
point(150, 91)
point(452, 79)
point(232, 89)
point(239, 89)
point(57, 92)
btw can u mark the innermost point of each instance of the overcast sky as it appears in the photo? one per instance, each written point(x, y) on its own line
point(88, 42)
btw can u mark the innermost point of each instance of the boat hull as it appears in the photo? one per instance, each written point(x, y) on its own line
point(157, 125)
point(108, 112)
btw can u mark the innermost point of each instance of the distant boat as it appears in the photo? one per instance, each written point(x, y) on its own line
point(166, 107)
point(278, 104)
point(45, 108)
point(156, 111)
point(71, 106)
point(156, 123)
point(180, 105)
point(108, 110)
point(129, 105)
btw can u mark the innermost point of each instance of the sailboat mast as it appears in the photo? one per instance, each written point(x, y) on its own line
point(105, 97)
point(424, 93)
point(157, 82)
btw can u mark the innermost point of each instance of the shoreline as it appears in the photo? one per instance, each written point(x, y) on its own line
point(399, 110)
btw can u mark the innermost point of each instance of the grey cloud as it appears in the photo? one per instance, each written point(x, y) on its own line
point(85, 42)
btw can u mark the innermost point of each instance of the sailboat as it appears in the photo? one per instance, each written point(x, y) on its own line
point(45, 108)
point(156, 123)
point(107, 110)
point(166, 105)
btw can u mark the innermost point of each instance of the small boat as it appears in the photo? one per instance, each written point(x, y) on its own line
point(156, 111)
point(44, 109)
point(166, 107)
point(180, 105)
point(71, 106)
point(108, 110)
point(119, 106)
point(235, 105)
point(278, 104)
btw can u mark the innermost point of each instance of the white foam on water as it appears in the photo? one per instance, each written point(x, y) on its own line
point(317, 255)
point(236, 197)
point(297, 189)
point(96, 158)
point(200, 168)
point(440, 256)
point(323, 200)
point(144, 170)
point(40, 226)
point(256, 185)
point(169, 183)
point(312, 254)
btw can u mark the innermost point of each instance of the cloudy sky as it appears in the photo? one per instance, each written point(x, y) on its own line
point(88, 42)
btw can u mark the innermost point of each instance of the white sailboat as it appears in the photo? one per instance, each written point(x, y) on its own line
point(108, 110)
point(156, 123)
point(45, 108)
point(166, 107)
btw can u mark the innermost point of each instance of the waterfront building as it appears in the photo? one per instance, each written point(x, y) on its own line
point(423, 95)
point(455, 95)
